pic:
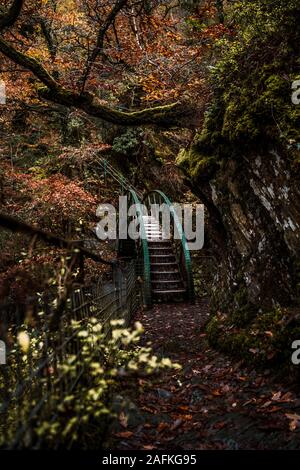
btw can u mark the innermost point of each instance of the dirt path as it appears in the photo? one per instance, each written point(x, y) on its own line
point(212, 403)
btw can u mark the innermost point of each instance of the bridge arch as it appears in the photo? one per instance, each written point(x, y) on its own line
point(163, 264)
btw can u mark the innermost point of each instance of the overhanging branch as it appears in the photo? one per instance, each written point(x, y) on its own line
point(164, 116)
point(175, 114)
point(15, 225)
point(29, 63)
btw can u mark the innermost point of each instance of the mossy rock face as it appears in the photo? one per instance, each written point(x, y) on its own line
point(245, 161)
point(252, 83)
point(195, 165)
point(265, 341)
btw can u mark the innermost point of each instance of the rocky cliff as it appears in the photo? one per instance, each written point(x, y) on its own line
point(244, 165)
point(256, 201)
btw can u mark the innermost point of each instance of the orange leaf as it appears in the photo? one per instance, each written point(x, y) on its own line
point(187, 417)
point(184, 408)
point(162, 426)
point(124, 434)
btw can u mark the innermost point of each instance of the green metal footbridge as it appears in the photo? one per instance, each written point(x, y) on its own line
point(163, 262)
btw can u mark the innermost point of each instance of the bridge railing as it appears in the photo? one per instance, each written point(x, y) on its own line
point(109, 170)
point(140, 246)
point(179, 242)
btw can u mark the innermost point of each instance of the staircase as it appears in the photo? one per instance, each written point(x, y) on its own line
point(166, 280)
point(163, 277)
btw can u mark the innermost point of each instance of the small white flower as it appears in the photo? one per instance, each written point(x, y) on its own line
point(24, 341)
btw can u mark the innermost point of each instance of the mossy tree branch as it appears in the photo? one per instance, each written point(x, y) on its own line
point(175, 114)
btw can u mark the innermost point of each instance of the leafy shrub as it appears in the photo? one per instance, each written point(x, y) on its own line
point(82, 383)
point(127, 142)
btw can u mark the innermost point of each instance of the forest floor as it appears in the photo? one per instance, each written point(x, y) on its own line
point(213, 402)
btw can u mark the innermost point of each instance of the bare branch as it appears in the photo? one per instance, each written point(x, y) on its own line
point(100, 38)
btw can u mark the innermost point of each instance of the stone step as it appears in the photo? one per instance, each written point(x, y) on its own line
point(160, 251)
point(167, 281)
point(159, 243)
point(165, 258)
point(166, 272)
point(165, 292)
point(164, 266)
point(162, 276)
point(155, 238)
point(163, 248)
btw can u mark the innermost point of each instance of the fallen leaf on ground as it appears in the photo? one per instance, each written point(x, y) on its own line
point(124, 434)
point(267, 403)
point(269, 333)
point(276, 396)
point(293, 416)
point(220, 425)
point(162, 426)
point(294, 421)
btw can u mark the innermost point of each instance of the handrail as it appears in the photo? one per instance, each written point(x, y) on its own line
point(143, 240)
point(136, 196)
point(185, 253)
point(117, 176)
